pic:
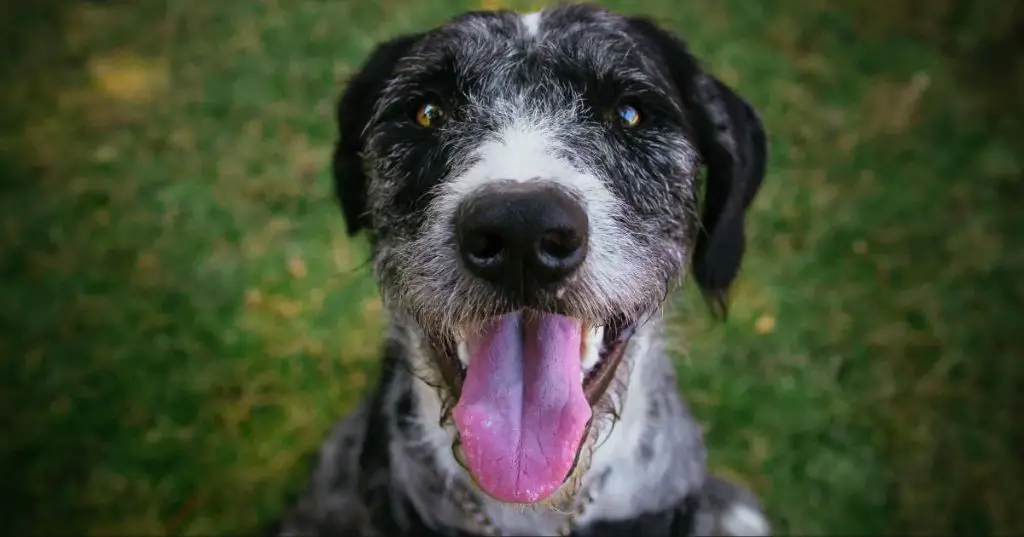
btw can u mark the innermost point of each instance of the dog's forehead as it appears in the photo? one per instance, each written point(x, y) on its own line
point(489, 42)
point(547, 25)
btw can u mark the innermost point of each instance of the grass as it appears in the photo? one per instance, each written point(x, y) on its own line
point(184, 317)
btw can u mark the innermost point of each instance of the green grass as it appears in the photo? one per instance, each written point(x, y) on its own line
point(184, 317)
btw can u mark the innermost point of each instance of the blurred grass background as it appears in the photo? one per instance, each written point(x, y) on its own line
point(183, 317)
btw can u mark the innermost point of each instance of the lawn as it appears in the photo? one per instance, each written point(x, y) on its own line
point(184, 317)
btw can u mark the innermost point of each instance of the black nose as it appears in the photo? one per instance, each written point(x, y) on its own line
point(522, 236)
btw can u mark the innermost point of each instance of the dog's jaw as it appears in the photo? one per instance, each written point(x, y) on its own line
point(622, 469)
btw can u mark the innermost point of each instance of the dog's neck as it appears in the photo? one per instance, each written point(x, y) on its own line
point(646, 461)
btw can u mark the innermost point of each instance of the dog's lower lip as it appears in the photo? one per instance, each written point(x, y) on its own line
point(460, 456)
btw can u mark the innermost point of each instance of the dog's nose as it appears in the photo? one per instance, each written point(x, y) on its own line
point(520, 236)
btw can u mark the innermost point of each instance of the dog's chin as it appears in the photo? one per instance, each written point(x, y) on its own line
point(545, 339)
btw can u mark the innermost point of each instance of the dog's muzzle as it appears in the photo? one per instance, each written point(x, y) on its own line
point(525, 379)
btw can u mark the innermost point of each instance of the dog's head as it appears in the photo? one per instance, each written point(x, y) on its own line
point(529, 185)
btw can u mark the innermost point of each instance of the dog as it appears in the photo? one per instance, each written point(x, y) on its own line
point(530, 188)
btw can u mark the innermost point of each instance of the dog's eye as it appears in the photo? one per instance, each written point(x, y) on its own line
point(428, 115)
point(629, 115)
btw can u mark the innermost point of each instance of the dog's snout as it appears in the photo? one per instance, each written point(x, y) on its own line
point(519, 236)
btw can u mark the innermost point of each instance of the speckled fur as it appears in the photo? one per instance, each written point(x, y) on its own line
point(528, 98)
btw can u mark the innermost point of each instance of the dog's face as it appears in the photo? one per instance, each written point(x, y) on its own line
point(530, 187)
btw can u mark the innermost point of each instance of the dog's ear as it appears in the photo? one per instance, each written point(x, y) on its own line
point(734, 146)
point(354, 111)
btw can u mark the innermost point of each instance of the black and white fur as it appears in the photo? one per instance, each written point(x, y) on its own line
point(531, 97)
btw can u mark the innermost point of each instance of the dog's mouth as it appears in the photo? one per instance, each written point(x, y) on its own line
point(526, 384)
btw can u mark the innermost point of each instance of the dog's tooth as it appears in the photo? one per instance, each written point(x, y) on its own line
point(590, 352)
point(582, 377)
point(462, 349)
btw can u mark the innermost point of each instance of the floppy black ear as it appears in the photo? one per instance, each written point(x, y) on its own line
point(734, 146)
point(355, 108)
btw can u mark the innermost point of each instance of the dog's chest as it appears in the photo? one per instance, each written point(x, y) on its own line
point(446, 510)
point(434, 501)
point(675, 522)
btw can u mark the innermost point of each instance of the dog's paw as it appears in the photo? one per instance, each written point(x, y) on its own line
point(741, 520)
point(735, 511)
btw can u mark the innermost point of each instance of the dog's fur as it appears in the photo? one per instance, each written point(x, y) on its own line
point(532, 98)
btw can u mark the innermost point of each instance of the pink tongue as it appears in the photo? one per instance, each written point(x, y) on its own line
point(522, 411)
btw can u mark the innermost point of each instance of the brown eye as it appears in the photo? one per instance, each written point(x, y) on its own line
point(428, 115)
point(629, 115)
